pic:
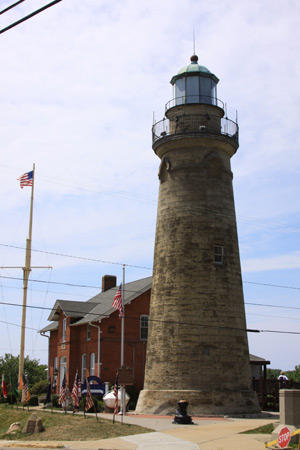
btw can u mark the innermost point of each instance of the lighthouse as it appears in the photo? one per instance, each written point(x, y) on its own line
point(197, 347)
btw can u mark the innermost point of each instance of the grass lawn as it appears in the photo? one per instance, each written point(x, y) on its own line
point(64, 427)
point(264, 429)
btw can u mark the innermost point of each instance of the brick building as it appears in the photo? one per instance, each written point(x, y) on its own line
point(86, 336)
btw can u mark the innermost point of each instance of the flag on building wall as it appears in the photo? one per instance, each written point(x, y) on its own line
point(4, 388)
point(75, 391)
point(89, 400)
point(63, 391)
point(25, 390)
point(26, 179)
point(117, 303)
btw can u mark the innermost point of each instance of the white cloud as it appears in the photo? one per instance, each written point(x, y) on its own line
point(279, 262)
point(79, 84)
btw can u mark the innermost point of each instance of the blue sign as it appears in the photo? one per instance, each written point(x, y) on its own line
point(96, 386)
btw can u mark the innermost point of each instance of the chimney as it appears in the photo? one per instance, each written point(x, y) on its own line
point(108, 282)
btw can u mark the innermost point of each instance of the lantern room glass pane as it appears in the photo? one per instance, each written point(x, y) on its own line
point(192, 90)
point(180, 91)
point(214, 92)
point(205, 90)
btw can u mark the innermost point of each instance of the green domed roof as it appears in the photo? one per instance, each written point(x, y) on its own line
point(193, 68)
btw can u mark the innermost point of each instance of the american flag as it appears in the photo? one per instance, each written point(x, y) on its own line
point(117, 303)
point(116, 387)
point(75, 391)
point(25, 391)
point(63, 391)
point(89, 400)
point(4, 388)
point(26, 179)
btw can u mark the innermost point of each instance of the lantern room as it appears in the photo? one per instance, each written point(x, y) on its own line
point(194, 84)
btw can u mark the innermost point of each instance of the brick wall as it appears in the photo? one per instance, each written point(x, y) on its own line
point(76, 344)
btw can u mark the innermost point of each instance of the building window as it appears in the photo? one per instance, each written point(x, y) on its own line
point(219, 254)
point(88, 333)
point(64, 330)
point(92, 364)
point(144, 327)
point(62, 369)
point(83, 367)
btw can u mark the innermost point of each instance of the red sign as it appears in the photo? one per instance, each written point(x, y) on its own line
point(284, 437)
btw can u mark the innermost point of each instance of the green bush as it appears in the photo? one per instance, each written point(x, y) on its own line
point(92, 409)
point(55, 398)
point(33, 401)
point(40, 387)
point(11, 398)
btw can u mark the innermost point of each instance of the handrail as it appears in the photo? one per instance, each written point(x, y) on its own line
point(195, 124)
point(194, 99)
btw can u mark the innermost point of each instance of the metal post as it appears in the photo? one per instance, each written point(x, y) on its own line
point(123, 402)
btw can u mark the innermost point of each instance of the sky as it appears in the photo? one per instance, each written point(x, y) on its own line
point(80, 86)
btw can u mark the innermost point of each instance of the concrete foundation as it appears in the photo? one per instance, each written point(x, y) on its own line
point(200, 402)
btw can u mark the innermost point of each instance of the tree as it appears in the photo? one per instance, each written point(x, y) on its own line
point(273, 374)
point(9, 366)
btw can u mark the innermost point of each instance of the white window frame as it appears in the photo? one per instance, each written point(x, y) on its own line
point(218, 254)
point(88, 332)
point(92, 363)
point(83, 367)
point(64, 329)
point(143, 327)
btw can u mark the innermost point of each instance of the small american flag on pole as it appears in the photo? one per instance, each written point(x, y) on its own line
point(62, 394)
point(4, 388)
point(25, 390)
point(26, 179)
point(75, 391)
point(89, 400)
point(116, 388)
point(117, 303)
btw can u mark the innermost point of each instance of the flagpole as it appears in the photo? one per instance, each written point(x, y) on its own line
point(123, 409)
point(26, 272)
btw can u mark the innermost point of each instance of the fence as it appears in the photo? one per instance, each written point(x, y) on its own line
point(268, 392)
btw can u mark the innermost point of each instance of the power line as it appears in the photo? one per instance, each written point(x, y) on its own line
point(127, 265)
point(125, 194)
point(77, 257)
point(29, 16)
point(11, 6)
point(169, 322)
point(271, 306)
point(98, 287)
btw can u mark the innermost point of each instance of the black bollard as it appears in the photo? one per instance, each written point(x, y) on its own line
point(182, 415)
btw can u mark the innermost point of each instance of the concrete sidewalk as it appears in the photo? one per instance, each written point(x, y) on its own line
point(207, 433)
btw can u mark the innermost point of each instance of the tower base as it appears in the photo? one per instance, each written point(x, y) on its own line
point(200, 402)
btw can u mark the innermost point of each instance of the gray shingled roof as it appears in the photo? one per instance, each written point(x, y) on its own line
point(52, 326)
point(104, 300)
point(257, 360)
point(70, 309)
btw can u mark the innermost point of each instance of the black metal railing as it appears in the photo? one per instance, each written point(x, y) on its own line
point(195, 124)
point(194, 99)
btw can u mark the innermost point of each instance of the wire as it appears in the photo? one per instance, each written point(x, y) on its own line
point(97, 287)
point(78, 257)
point(169, 322)
point(16, 325)
point(124, 194)
point(29, 16)
point(11, 6)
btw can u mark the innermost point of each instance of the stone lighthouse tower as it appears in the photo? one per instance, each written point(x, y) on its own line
point(197, 346)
